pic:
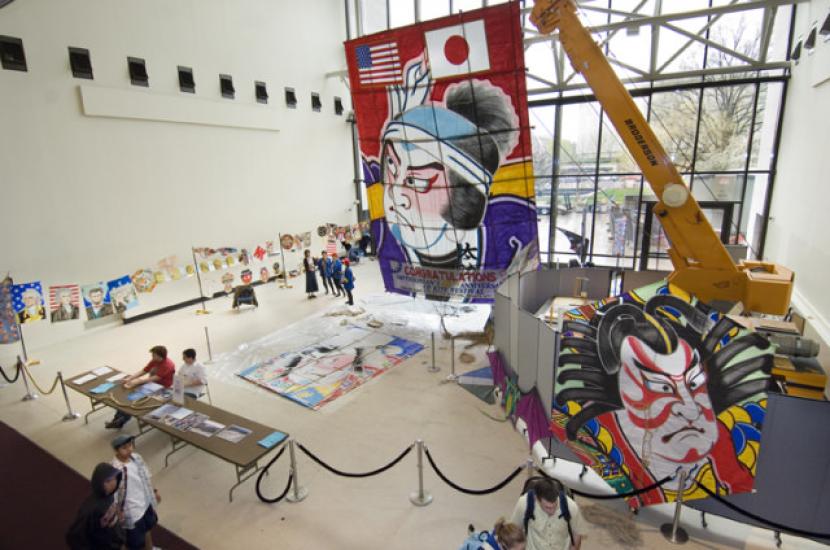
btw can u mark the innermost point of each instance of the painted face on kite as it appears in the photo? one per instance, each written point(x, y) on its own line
point(417, 197)
point(667, 397)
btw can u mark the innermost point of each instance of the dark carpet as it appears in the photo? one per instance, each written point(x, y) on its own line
point(40, 495)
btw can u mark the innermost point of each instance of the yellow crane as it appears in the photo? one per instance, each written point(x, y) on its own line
point(702, 265)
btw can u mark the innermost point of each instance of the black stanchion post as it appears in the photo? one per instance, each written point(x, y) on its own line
point(673, 532)
point(433, 367)
point(421, 497)
point(70, 414)
point(299, 493)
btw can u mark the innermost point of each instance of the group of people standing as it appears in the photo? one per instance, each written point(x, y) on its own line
point(337, 275)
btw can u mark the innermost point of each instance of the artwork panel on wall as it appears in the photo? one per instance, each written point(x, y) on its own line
point(64, 303)
point(27, 300)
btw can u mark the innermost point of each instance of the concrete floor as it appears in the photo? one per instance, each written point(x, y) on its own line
point(358, 432)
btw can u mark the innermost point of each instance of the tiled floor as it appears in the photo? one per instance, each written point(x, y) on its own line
point(358, 432)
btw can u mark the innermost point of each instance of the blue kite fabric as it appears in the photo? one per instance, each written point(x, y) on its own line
point(9, 331)
point(441, 110)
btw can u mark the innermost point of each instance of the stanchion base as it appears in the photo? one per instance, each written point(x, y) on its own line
point(420, 500)
point(68, 417)
point(299, 496)
point(30, 397)
point(680, 535)
point(202, 312)
point(434, 369)
point(450, 379)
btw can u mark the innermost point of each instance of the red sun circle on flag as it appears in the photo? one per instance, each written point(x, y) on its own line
point(456, 49)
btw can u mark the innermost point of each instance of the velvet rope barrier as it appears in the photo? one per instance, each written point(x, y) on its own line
point(16, 374)
point(349, 474)
point(41, 390)
point(759, 519)
point(493, 489)
point(630, 494)
point(264, 471)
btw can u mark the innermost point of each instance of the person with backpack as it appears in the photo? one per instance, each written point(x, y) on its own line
point(97, 524)
point(549, 518)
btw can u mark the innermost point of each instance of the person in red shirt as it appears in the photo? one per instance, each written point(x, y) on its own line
point(160, 369)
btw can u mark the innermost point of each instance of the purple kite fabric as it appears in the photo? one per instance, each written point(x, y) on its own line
point(531, 410)
point(498, 368)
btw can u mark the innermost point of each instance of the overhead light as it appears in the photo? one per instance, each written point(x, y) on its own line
point(261, 92)
point(226, 86)
point(186, 82)
point(290, 98)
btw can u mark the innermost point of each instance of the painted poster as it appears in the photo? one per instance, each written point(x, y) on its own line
point(441, 109)
point(654, 382)
point(64, 303)
point(27, 299)
point(97, 301)
point(122, 294)
point(329, 369)
point(9, 331)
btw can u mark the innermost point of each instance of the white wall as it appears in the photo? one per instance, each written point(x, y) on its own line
point(93, 198)
point(799, 227)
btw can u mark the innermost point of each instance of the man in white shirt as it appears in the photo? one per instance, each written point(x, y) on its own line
point(546, 528)
point(193, 374)
point(136, 497)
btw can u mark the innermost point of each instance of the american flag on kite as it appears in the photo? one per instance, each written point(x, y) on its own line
point(379, 64)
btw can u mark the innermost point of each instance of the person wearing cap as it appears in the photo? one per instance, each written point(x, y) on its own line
point(160, 369)
point(348, 281)
point(97, 523)
point(136, 497)
point(337, 275)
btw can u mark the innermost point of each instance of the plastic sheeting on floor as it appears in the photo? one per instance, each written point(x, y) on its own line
point(386, 316)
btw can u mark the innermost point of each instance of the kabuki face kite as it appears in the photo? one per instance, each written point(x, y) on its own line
point(441, 109)
point(665, 395)
point(653, 383)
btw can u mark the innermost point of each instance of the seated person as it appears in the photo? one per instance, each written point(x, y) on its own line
point(244, 293)
point(160, 369)
point(354, 255)
point(192, 374)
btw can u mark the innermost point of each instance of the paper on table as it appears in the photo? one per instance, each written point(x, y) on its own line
point(102, 388)
point(84, 379)
point(101, 371)
point(118, 376)
point(271, 440)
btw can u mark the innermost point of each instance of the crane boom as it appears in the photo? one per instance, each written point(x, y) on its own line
point(702, 265)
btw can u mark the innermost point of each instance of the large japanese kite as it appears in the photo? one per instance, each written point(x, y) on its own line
point(654, 382)
point(441, 110)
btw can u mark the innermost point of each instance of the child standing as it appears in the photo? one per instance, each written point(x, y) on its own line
point(324, 268)
point(348, 281)
point(136, 497)
point(97, 525)
point(337, 275)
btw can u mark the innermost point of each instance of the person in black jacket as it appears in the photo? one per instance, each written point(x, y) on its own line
point(97, 525)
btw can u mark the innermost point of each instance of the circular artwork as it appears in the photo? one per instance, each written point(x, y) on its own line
point(322, 231)
point(287, 242)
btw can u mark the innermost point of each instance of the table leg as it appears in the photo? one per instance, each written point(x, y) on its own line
point(96, 406)
point(178, 445)
point(241, 476)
